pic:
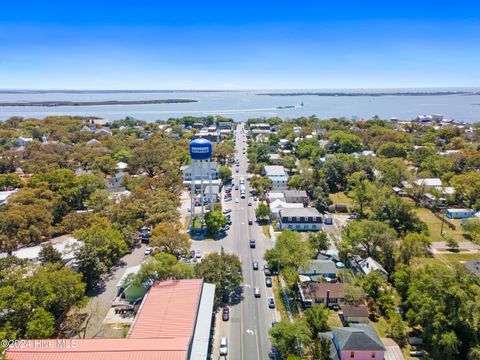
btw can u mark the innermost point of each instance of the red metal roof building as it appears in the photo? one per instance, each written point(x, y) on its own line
point(163, 329)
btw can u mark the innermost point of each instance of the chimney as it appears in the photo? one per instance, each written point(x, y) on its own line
point(328, 296)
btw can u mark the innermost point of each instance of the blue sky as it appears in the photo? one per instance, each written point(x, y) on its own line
point(238, 44)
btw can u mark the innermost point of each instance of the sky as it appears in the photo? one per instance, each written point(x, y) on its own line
point(239, 44)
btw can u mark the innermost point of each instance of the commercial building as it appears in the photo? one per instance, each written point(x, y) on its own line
point(173, 323)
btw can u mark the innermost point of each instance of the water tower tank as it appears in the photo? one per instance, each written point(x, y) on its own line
point(200, 149)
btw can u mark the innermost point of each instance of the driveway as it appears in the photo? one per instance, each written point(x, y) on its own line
point(100, 303)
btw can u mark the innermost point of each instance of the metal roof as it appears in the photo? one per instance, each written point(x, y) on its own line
point(201, 337)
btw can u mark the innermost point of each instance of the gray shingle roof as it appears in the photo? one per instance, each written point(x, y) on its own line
point(358, 337)
point(315, 267)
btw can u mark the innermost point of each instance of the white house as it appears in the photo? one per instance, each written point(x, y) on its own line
point(277, 205)
point(4, 195)
point(200, 168)
point(277, 174)
point(429, 183)
point(300, 219)
point(23, 141)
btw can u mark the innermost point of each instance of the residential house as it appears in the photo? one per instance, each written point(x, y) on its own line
point(459, 213)
point(358, 342)
point(366, 266)
point(318, 270)
point(275, 195)
point(429, 183)
point(261, 126)
point(23, 141)
point(354, 314)
point(104, 132)
point(277, 205)
point(301, 219)
point(296, 196)
point(93, 142)
point(327, 294)
point(4, 195)
point(275, 159)
point(277, 174)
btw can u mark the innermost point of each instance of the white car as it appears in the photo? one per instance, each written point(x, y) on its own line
point(236, 200)
point(223, 346)
point(198, 254)
point(227, 210)
point(148, 251)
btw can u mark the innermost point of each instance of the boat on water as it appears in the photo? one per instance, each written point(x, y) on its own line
point(289, 106)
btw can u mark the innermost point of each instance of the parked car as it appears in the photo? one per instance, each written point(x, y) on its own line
point(267, 272)
point(227, 210)
point(236, 200)
point(226, 228)
point(271, 303)
point(268, 281)
point(223, 346)
point(328, 221)
point(252, 243)
point(148, 251)
point(226, 313)
point(265, 266)
point(256, 292)
point(416, 353)
point(192, 253)
point(236, 187)
point(255, 265)
point(198, 254)
point(250, 222)
point(249, 203)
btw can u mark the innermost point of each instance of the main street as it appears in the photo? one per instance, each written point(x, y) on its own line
point(250, 317)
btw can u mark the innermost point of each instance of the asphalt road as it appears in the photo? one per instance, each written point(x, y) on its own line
point(250, 317)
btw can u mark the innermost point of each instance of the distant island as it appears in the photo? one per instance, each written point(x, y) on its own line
point(93, 103)
point(422, 93)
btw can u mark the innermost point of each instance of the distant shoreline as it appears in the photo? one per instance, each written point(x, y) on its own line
point(95, 103)
point(420, 93)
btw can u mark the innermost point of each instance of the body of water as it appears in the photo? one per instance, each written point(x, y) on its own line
point(242, 105)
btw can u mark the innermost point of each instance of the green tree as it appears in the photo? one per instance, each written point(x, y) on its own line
point(225, 173)
point(160, 267)
point(370, 238)
point(472, 228)
point(214, 221)
point(344, 142)
point(222, 269)
point(287, 336)
point(399, 215)
point(360, 190)
point(392, 150)
point(262, 211)
point(319, 241)
point(261, 185)
point(99, 200)
point(89, 265)
point(49, 254)
point(169, 238)
point(9, 181)
point(290, 250)
point(452, 244)
point(41, 325)
point(108, 242)
point(467, 186)
point(316, 318)
point(414, 245)
point(396, 329)
point(105, 164)
point(289, 163)
point(223, 151)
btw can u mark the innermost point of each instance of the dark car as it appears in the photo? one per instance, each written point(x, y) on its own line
point(255, 265)
point(268, 281)
point(252, 244)
point(271, 303)
point(267, 272)
point(250, 222)
point(328, 221)
point(226, 313)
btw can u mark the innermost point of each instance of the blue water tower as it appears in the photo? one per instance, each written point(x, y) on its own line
point(200, 149)
point(201, 154)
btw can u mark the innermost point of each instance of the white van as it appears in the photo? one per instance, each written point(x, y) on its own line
point(223, 346)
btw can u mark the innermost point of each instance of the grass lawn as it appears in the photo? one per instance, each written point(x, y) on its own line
point(427, 261)
point(435, 225)
point(381, 326)
point(334, 320)
point(460, 258)
point(265, 231)
point(277, 293)
point(340, 198)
